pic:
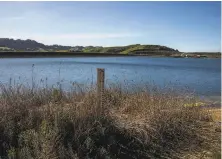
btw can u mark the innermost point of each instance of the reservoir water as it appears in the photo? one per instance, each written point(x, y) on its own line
point(203, 76)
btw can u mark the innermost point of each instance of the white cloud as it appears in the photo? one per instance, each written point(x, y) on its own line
point(71, 39)
point(76, 36)
point(87, 36)
point(12, 18)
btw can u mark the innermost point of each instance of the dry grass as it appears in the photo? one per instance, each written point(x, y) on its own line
point(216, 114)
point(51, 124)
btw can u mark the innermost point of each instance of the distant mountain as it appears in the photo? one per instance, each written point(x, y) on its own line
point(29, 45)
point(32, 45)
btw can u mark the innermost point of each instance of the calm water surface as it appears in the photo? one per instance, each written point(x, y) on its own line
point(200, 75)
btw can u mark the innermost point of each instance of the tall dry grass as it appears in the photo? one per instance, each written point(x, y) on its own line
point(51, 123)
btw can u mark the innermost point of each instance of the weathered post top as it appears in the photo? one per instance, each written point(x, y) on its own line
point(100, 84)
point(100, 79)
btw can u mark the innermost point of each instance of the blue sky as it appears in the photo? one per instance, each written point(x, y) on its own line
point(186, 26)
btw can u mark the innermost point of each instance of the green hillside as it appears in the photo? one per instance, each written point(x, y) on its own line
point(137, 48)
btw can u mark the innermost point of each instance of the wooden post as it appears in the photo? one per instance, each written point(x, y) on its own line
point(100, 85)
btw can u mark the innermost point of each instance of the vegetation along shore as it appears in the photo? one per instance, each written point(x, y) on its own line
point(51, 123)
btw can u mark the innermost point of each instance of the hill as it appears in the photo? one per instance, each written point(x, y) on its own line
point(133, 49)
point(31, 45)
point(28, 45)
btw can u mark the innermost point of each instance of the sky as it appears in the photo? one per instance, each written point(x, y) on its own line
point(186, 26)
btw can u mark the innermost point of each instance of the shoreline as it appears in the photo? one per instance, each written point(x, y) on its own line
point(55, 54)
point(82, 54)
point(213, 102)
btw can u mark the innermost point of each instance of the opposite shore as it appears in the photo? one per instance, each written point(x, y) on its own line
point(94, 54)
